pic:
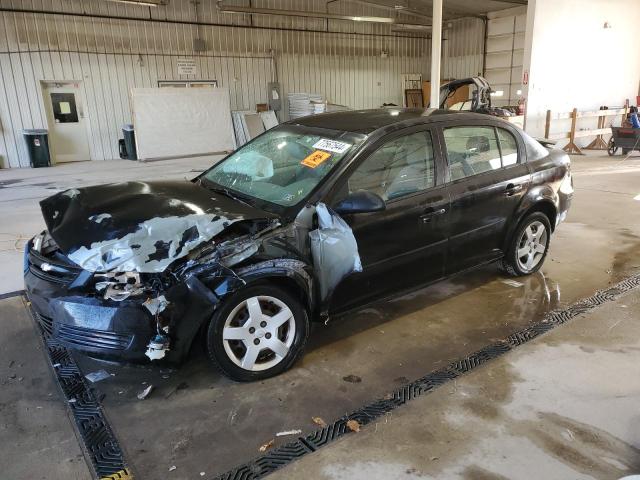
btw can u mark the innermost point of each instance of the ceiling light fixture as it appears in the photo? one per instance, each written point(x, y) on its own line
point(142, 3)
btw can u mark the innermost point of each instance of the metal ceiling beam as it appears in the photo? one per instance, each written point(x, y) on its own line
point(413, 11)
point(455, 12)
point(408, 11)
point(308, 14)
point(186, 22)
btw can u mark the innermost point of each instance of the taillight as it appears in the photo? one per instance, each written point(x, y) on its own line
point(567, 183)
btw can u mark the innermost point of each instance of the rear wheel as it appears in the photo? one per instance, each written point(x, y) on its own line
point(257, 333)
point(611, 147)
point(529, 246)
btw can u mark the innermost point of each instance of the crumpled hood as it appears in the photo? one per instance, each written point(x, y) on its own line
point(139, 226)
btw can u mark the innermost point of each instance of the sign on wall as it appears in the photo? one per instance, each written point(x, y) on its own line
point(187, 66)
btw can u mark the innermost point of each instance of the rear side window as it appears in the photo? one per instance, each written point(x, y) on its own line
point(535, 151)
point(508, 146)
point(471, 151)
point(475, 150)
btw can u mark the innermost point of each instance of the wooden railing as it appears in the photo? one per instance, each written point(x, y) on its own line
point(602, 129)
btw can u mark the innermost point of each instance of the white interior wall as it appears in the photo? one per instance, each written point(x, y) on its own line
point(574, 62)
point(340, 59)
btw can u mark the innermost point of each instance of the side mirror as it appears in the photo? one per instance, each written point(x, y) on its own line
point(361, 201)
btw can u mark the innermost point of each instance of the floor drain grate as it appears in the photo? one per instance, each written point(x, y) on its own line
point(291, 452)
point(99, 441)
point(107, 457)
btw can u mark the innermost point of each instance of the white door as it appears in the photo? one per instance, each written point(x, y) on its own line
point(67, 123)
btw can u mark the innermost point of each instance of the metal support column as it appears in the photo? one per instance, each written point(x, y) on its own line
point(436, 52)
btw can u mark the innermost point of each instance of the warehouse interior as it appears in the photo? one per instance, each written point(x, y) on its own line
point(478, 375)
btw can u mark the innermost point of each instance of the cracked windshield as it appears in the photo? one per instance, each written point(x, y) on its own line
point(283, 165)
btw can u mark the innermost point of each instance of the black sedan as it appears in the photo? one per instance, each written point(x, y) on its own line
point(313, 218)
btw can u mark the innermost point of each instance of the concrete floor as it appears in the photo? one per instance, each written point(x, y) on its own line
point(201, 422)
point(22, 188)
point(36, 437)
point(564, 406)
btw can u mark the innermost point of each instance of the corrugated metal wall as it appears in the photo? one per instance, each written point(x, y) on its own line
point(463, 49)
point(340, 59)
point(505, 53)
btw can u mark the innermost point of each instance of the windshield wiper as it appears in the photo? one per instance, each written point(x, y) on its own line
point(223, 191)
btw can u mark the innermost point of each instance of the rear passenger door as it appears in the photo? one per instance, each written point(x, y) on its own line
point(404, 245)
point(487, 177)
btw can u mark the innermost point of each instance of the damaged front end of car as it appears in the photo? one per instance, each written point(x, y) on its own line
point(122, 315)
point(104, 281)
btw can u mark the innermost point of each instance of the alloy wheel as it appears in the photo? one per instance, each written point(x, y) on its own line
point(258, 333)
point(532, 246)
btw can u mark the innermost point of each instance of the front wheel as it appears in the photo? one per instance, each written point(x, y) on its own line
point(529, 246)
point(611, 148)
point(257, 333)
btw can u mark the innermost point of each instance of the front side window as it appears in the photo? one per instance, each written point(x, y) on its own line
point(475, 150)
point(402, 166)
point(283, 165)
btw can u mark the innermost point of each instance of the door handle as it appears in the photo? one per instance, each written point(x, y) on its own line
point(430, 213)
point(512, 189)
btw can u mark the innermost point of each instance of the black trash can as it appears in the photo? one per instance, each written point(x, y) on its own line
point(122, 149)
point(38, 147)
point(130, 141)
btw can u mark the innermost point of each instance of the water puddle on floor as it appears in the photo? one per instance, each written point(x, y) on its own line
point(383, 346)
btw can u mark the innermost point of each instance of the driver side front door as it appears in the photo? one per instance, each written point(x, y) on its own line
point(404, 245)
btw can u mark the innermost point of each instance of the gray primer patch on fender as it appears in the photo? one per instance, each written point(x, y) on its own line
point(334, 250)
point(158, 243)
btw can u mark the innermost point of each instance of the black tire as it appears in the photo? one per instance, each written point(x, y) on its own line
point(216, 345)
point(510, 263)
point(611, 148)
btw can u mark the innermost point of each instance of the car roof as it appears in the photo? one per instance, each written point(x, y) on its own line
point(368, 121)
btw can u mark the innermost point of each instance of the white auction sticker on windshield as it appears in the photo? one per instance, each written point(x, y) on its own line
point(332, 146)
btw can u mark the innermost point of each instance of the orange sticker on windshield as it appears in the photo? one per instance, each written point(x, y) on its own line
point(316, 158)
